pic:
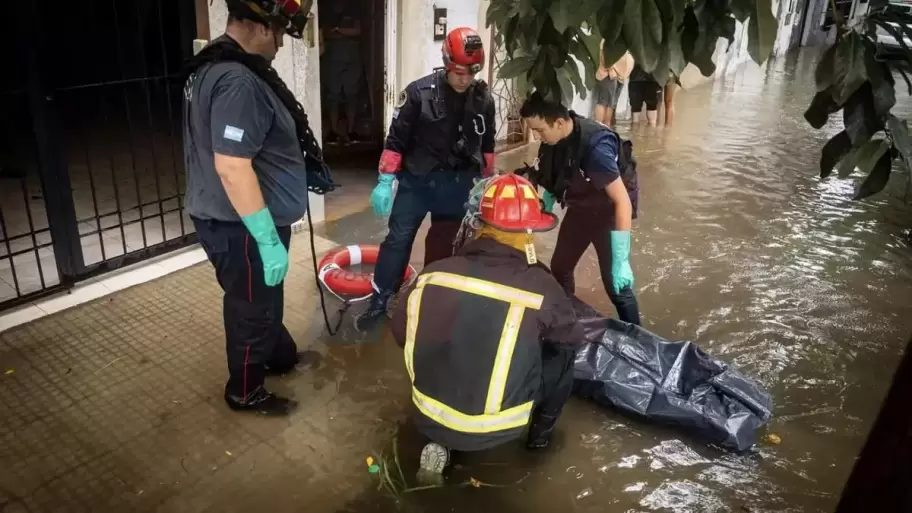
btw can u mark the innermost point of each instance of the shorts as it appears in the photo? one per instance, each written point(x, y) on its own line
point(607, 92)
point(644, 92)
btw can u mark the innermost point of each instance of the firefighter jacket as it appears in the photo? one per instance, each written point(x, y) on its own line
point(473, 328)
point(435, 128)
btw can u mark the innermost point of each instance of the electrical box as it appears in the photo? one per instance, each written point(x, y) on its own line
point(440, 24)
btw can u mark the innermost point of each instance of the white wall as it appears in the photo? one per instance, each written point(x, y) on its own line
point(418, 52)
point(299, 67)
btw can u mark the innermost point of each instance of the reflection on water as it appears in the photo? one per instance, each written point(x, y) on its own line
point(741, 248)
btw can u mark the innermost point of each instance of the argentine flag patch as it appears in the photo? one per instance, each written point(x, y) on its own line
point(233, 133)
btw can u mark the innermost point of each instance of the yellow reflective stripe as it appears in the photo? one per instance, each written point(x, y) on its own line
point(493, 419)
point(505, 348)
point(442, 414)
point(484, 288)
point(411, 328)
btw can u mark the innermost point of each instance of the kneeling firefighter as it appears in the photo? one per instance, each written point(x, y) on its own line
point(440, 140)
point(489, 335)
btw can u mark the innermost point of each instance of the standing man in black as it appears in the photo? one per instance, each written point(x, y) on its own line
point(440, 140)
point(251, 158)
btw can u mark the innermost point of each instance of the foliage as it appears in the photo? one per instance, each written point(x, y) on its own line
point(545, 39)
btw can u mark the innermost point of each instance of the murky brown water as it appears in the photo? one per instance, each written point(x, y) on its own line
point(741, 248)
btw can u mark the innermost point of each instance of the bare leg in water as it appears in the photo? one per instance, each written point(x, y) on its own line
point(669, 95)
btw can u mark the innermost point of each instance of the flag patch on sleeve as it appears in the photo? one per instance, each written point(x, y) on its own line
point(233, 133)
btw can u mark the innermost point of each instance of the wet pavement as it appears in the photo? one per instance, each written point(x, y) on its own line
point(116, 405)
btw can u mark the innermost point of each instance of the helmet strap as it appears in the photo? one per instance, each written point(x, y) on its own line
point(531, 257)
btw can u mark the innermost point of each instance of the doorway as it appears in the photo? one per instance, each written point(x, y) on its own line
point(353, 77)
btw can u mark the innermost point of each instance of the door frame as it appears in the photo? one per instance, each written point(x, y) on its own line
point(390, 62)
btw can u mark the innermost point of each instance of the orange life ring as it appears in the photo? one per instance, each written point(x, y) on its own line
point(338, 279)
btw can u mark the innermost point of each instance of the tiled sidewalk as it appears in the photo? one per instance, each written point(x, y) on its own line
point(115, 406)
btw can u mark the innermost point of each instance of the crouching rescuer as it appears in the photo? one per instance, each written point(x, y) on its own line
point(489, 335)
point(440, 140)
point(590, 170)
point(251, 159)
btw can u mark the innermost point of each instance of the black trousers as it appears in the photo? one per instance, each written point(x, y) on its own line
point(443, 194)
point(256, 338)
point(557, 379)
point(580, 228)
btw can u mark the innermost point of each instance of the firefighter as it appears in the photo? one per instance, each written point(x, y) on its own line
point(489, 335)
point(440, 140)
point(586, 166)
point(251, 159)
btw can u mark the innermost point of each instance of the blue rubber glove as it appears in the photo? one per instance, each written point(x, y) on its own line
point(272, 252)
point(621, 273)
point(382, 196)
point(548, 199)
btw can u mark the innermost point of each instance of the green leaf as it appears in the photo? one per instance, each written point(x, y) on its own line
point(822, 106)
point(761, 31)
point(498, 13)
point(614, 52)
point(642, 32)
point(515, 67)
point(833, 151)
point(565, 95)
point(863, 158)
point(592, 43)
point(899, 131)
point(824, 75)
point(578, 49)
point(877, 179)
point(571, 70)
point(742, 9)
point(560, 14)
point(610, 20)
point(859, 116)
point(672, 61)
point(849, 71)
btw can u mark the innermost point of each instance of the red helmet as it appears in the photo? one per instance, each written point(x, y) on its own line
point(510, 203)
point(463, 52)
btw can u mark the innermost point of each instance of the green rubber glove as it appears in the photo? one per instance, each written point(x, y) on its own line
point(272, 252)
point(548, 199)
point(621, 273)
point(382, 196)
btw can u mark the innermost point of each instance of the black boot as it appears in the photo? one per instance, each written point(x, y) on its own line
point(376, 310)
point(540, 432)
point(262, 402)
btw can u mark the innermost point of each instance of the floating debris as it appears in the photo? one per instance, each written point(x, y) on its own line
point(773, 438)
point(9, 372)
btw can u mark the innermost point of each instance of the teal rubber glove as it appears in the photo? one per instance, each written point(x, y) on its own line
point(621, 273)
point(272, 252)
point(548, 199)
point(382, 196)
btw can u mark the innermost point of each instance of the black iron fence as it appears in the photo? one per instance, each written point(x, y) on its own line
point(94, 177)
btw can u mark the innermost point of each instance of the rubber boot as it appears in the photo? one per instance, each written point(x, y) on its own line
point(434, 459)
point(262, 402)
point(540, 432)
point(375, 311)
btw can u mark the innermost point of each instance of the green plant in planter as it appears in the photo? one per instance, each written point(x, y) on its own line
point(546, 39)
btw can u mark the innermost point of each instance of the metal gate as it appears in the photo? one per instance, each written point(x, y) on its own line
point(99, 92)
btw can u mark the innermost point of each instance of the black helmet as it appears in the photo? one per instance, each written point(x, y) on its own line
point(289, 14)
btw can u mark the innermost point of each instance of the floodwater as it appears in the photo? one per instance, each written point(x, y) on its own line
point(741, 248)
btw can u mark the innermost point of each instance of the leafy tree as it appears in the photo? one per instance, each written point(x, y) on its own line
point(542, 38)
